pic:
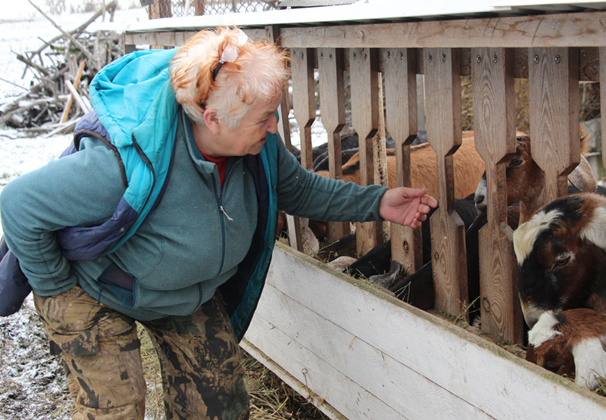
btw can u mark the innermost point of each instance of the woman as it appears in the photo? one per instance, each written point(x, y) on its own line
point(166, 215)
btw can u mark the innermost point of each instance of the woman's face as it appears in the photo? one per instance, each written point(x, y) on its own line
point(249, 137)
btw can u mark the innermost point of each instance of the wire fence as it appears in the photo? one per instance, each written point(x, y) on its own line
point(179, 8)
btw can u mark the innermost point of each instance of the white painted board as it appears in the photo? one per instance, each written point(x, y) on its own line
point(369, 356)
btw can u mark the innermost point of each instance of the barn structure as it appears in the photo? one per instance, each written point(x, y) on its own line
point(356, 351)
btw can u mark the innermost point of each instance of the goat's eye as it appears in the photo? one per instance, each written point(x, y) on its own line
point(562, 260)
point(516, 162)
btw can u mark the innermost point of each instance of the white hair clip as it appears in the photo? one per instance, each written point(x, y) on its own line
point(231, 52)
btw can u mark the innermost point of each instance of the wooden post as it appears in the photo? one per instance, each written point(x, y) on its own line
point(399, 67)
point(69, 102)
point(553, 76)
point(603, 100)
point(332, 108)
point(304, 106)
point(443, 105)
point(495, 137)
point(364, 71)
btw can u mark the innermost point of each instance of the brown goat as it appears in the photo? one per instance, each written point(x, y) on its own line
point(468, 168)
point(526, 182)
point(571, 343)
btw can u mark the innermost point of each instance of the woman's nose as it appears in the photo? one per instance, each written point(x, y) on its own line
point(272, 124)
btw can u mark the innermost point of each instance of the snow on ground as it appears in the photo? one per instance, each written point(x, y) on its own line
point(28, 391)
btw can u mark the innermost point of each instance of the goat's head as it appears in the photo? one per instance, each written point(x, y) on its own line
point(571, 343)
point(522, 173)
point(525, 180)
point(561, 255)
point(548, 348)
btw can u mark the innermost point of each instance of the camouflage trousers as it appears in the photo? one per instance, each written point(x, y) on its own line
point(202, 373)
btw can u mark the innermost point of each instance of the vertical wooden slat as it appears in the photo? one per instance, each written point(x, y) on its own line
point(304, 102)
point(399, 68)
point(273, 34)
point(443, 113)
point(603, 100)
point(332, 109)
point(304, 107)
point(293, 223)
point(553, 76)
point(492, 73)
point(364, 70)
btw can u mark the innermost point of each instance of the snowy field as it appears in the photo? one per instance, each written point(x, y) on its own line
point(27, 391)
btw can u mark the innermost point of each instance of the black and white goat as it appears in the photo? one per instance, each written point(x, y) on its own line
point(570, 343)
point(561, 254)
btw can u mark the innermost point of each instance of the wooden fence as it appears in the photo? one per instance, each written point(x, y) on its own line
point(554, 52)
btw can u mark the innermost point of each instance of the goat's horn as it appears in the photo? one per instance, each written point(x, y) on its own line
point(582, 177)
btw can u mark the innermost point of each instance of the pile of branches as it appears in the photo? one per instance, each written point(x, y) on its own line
point(63, 68)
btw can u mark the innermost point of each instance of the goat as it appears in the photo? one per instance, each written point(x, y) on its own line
point(468, 168)
point(418, 289)
point(561, 255)
point(571, 343)
point(419, 285)
point(525, 181)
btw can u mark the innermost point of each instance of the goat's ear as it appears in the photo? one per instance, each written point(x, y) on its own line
point(582, 177)
point(594, 232)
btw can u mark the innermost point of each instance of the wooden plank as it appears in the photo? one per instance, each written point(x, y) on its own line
point(304, 107)
point(399, 70)
point(557, 30)
point(323, 355)
point(603, 99)
point(68, 103)
point(304, 101)
point(495, 137)
point(589, 62)
point(291, 381)
point(332, 109)
point(176, 37)
point(293, 223)
point(554, 115)
point(364, 70)
point(477, 371)
point(272, 33)
point(443, 119)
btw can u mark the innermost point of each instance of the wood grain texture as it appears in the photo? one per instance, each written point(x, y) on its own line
point(364, 70)
point(554, 115)
point(369, 355)
point(443, 117)
point(332, 110)
point(399, 70)
point(603, 98)
point(554, 30)
point(495, 137)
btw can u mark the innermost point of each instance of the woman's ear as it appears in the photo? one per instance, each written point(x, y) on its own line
point(212, 121)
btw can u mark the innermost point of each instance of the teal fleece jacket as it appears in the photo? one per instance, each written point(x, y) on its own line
point(193, 241)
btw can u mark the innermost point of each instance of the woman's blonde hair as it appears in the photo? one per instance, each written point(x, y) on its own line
point(257, 75)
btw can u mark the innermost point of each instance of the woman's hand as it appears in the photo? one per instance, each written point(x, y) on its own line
point(406, 206)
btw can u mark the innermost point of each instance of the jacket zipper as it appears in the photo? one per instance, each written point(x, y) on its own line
point(222, 213)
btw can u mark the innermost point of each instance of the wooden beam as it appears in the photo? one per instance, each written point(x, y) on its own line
point(364, 71)
point(557, 30)
point(399, 68)
point(554, 115)
point(443, 100)
point(495, 137)
point(332, 108)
